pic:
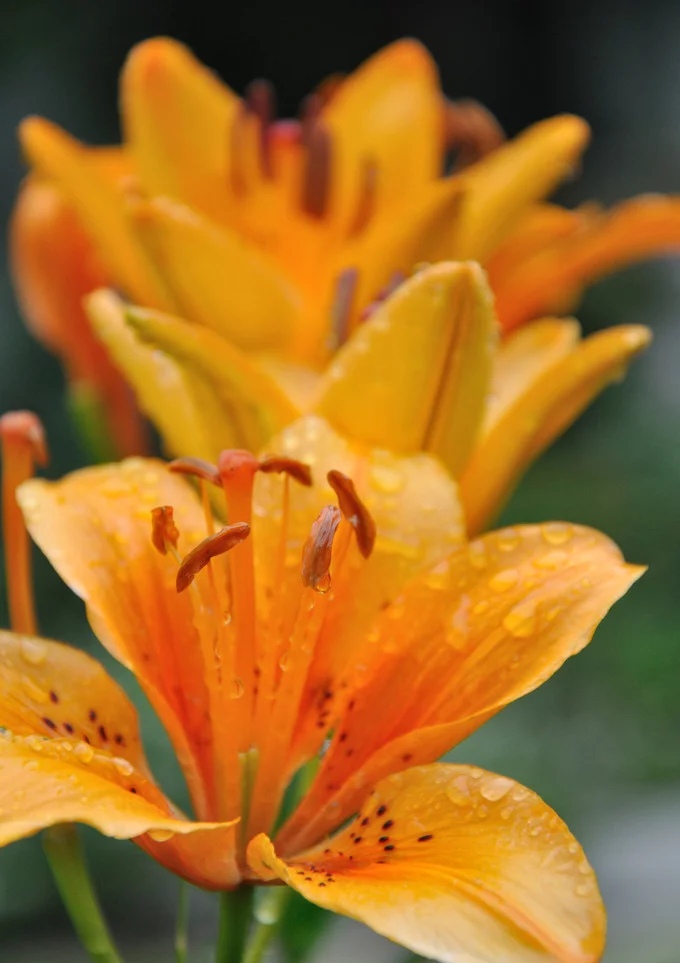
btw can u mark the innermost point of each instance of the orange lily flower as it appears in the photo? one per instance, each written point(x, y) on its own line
point(280, 235)
point(370, 636)
point(428, 364)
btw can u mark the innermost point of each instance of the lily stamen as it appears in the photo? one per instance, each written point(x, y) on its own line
point(217, 544)
point(23, 445)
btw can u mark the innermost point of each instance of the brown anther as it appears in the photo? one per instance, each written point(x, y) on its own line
point(238, 134)
point(236, 462)
point(397, 278)
point(341, 309)
point(163, 528)
point(316, 181)
point(279, 464)
point(471, 130)
point(354, 511)
point(197, 468)
point(261, 102)
point(26, 427)
point(316, 555)
point(217, 544)
point(367, 195)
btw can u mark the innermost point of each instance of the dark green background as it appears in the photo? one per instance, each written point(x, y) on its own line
point(600, 741)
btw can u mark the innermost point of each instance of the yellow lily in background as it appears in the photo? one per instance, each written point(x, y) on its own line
point(280, 235)
point(427, 371)
point(374, 625)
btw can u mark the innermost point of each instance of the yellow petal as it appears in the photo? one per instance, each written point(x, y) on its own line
point(556, 273)
point(387, 113)
point(416, 375)
point(217, 278)
point(94, 526)
point(463, 640)
point(177, 117)
point(499, 188)
point(540, 414)
point(239, 405)
point(456, 864)
point(523, 356)
point(154, 376)
point(99, 204)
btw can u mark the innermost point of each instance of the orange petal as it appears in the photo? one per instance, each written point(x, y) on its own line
point(155, 377)
point(499, 188)
point(388, 113)
point(413, 502)
point(239, 405)
point(95, 527)
point(44, 782)
point(421, 365)
point(177, 117)
point(456, 864)
point(547, 406)
point(99, 204)
point(50, 689)
point(557, 272)
point(217, 278)
point(53, 265)
point(462, 641)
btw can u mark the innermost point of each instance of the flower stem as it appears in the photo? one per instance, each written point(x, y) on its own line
point(65, 855)
point(235, 910)
point(269, 909)
point(181, 931)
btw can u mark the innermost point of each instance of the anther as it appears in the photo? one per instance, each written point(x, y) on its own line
point(25, 428)
point(164, 532)
point(261, 100)
point(367, 197)
point(316, 180)
point(217, 544)
point(341, 309)
point(280, 464)
point(316, 555)
point(354, 511)
point(471, 130)
point(197, 468)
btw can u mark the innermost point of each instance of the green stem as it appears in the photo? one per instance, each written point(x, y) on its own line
point(269, 909)
point(67, 861)
point(235, 909)
point(89, 415)
point(181, 932)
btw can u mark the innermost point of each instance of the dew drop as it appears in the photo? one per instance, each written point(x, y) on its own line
point(506, 813)
point(83, 752)
point(495, 789)
point(237, 688)
point(283, 661)
point(582, 889)
point(387, 480)
point(457, 797)
point(504, 580)
point(33, 651)
point(122, 766)
point(520, 621)
point(508, 539)
point(161, 835)
point(477, 555)
point(323, 583)
point(551, 560)
point(31, 765)
point(34, 691)
point(557, 533)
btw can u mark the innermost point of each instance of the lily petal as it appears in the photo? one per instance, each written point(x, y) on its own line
point(388, 113)
point(457, 864)
point(557, 272)
point(95, 527)
point(524, 170)
point(540, 414)
point(421, 365)
point(240, 406)
point(155, 377)
point(176, 118)
point(99, 204)
point(216, 277)
point(463, 640)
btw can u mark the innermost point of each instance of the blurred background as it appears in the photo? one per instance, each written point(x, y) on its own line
point(600, 741)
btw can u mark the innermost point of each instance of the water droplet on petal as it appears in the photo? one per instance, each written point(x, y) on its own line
point(83, 752)
point(520, 621)
point(34, 691)
point(495, 789)
point(124, 767)
point(237, 688)
point(34, 651)
point(161, 835)
point(508, 539)
point(387, 480)
point(503, 580)
point(557, 533)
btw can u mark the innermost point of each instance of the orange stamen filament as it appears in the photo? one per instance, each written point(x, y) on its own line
point(23, 446)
